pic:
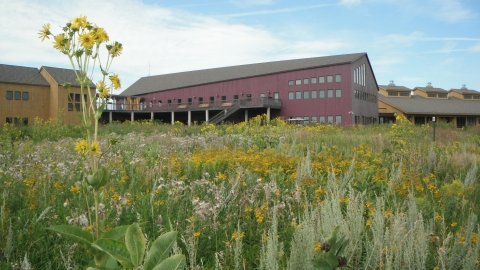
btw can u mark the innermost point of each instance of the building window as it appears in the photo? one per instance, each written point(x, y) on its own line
point(476, 97)
point(407, 94)
point(432, 95)
point(200, 100)
point(235, 97)
point(290, 95)
point(338, 119)
point(74, 100)
point(9, 95)
point(262, 96)
point(442, 95)
point(276, 95)
point(306, 120)
point(338, 78)
point(298, 95)
point(465, 96)
point(18, 95)
point(393, 94)
point(321, 79)
point(306, 94)
point(169, 102)
point(305, 81)
point(9, 120)
point(179, 100)
point(314, 93)
point(314, 119)
point(313, 80)
point(159, 103)
point(329, 78)
point(290, 82)
point(212, 99)
point(338, 93)
point(25, 96)
point(298, 82)
point(330, 119)
point(189, 101)
point(224, 99)
point(321, 94)
point(330, 93)
point(150, 104)
point(322, 119)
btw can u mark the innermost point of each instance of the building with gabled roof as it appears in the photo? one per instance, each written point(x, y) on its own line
point(422, 104)
point(339, 89)
point(29, 93)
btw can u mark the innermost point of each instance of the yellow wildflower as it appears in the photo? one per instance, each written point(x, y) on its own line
point(80, 21)
point(89, 228)
point(196, 234)
point(81, 147)
point(45, 31)
point(248, 209)
point(29, 182)
point(474, 238)
point(57, 185)
point(115, 49)
point(86, 40)
point(74, 189)
point(115, 81)
point(454, 224)
point(317, 246)
point(95, 148)
point(60, 42)
point(100, 35)
point(102, 89)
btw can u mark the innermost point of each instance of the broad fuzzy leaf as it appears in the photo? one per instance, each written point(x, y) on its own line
point(175, 262)
point(159, 250)
point(116, 233)
point(116, 249)
point(135, 243)
point(74, 233)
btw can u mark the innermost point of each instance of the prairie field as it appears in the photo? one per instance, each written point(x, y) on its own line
point(256, 195)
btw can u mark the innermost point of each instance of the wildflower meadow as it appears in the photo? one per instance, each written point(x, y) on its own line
point(256, 195)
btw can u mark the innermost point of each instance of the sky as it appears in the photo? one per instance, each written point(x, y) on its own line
point(412, 42)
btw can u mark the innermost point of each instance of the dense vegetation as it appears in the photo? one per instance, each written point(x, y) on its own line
point(246, 196)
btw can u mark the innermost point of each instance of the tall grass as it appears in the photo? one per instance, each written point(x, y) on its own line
point(251, 195)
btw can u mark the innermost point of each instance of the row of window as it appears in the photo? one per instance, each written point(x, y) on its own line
point(18, 95)
point(313, 94)
point(359, 75)
point(276, 95)
point(401, 94)
point(17, 120)
point(365, 96)
point(74, 100)
point(437, 95)
point(313, 119)
point(313, 80)
point(471, 97)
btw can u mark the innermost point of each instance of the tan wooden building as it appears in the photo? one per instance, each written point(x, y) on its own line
point(458, 106)
point(28, 93)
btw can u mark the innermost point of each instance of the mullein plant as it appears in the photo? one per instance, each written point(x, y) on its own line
point(123, 246)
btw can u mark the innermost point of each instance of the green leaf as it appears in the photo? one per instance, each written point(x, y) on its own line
point(99, 178)
point(116, 249)
point(172, 263)
point(135, 243)
point(160, 249)
point(116, 233)
point(74, 233)
point(99, 111)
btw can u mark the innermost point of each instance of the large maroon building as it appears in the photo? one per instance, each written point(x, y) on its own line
point(339, 89)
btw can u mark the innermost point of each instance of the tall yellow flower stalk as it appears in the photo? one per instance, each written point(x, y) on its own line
point(84, 43)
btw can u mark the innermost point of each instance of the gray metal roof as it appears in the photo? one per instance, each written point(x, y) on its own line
point(62, 75)
point(21, 75)
point(199, 77)
point(430, 89)
point(395, 88)
point(421, 105)
point(466, 91)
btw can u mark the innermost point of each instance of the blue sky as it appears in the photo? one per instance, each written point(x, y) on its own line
point(409, 41)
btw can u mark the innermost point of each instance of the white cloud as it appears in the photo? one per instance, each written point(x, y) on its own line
point(475, 48)
point(156, 40)
point(350, 3)
point(450, 11)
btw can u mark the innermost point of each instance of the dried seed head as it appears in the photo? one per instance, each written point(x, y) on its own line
point(325, 247)
point(342, 261)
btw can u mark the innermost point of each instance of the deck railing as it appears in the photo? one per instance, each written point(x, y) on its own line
point(260, 102)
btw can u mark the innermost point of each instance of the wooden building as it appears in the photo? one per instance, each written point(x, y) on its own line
point(28, 93)
point(458, 106)
point(339, 89)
